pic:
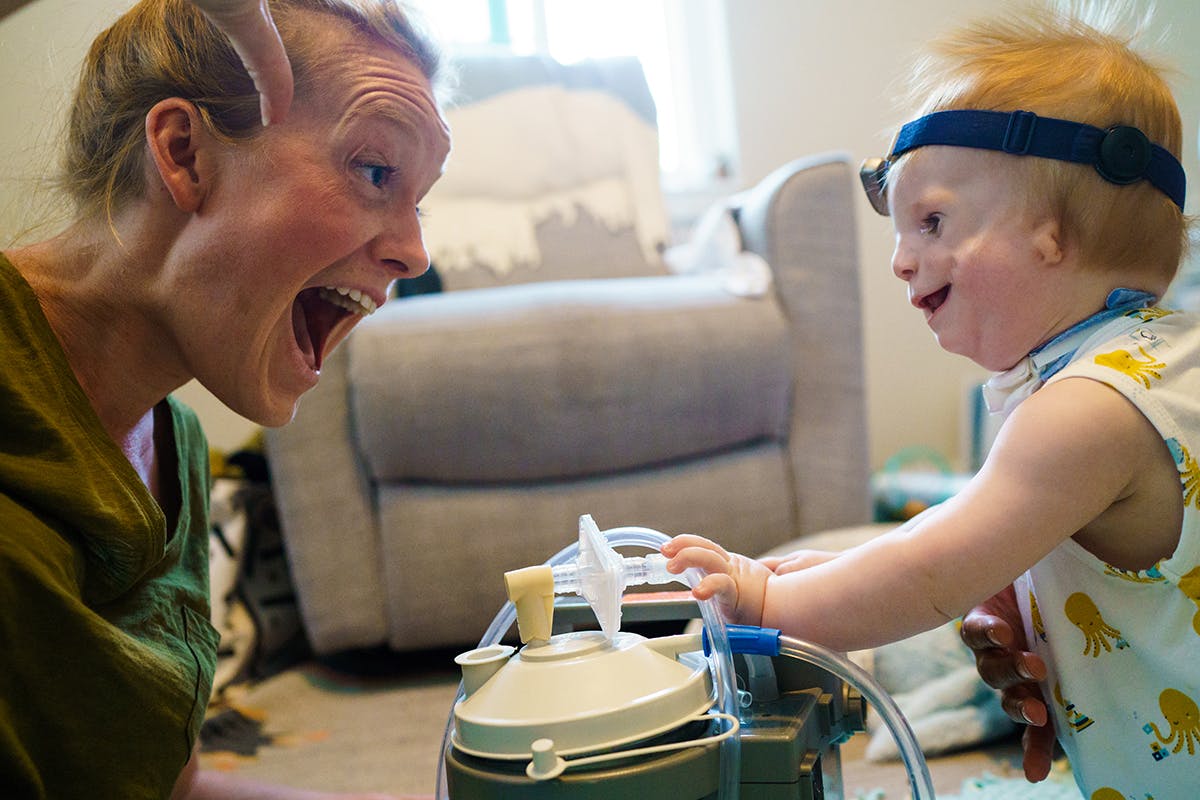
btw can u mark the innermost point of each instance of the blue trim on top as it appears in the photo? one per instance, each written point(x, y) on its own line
point(1118, 303)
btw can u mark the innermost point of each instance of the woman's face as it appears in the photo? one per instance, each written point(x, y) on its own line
point(306, 227)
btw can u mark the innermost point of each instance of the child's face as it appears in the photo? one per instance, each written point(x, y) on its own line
point(968, 249)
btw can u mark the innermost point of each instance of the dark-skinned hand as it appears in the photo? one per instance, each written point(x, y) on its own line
point(994, 631)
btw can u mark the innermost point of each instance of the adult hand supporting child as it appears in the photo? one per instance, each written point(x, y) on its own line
point(993, 630)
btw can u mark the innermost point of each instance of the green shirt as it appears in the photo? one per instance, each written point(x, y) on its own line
point(106, 652)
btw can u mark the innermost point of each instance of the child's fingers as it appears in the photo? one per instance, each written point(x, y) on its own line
point(794, 562)
point(704, 558)
point(720, 586)
point(685, 540)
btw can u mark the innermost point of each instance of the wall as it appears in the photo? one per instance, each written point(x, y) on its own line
point(808, 76)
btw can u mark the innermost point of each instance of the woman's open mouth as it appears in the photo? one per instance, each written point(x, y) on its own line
point(322, 316)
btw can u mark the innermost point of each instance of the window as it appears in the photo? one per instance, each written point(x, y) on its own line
point(681, 53)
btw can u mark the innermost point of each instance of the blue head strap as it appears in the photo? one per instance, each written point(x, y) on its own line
point(1121, 155)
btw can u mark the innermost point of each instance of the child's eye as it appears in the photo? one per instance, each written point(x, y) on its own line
point(378, 174)
point(932, 224)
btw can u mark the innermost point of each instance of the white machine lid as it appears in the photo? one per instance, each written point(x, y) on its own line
point(584, 692)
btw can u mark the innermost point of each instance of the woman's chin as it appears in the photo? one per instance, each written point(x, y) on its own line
point(269, 409)
point(277, 417)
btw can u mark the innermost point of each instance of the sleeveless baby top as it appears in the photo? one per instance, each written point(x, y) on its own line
point(1123, 648)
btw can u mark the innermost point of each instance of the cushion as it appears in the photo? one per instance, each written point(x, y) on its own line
point(566, 379)
point(563, 247)
point(548, 158)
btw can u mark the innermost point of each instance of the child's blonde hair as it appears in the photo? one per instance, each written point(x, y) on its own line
point(166, 48)
point(1071, 62)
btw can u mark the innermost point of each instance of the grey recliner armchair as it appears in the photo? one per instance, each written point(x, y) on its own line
point(564, 369)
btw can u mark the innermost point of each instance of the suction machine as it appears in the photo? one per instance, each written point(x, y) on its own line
point(726, 712)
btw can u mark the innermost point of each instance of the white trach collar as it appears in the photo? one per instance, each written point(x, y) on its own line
point(1004, 391)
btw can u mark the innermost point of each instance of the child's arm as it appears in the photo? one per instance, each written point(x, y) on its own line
point(1064, 457)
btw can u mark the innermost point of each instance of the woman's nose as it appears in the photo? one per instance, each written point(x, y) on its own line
point(400, 246)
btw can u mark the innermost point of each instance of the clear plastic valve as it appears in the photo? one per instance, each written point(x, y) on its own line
point(600, 575)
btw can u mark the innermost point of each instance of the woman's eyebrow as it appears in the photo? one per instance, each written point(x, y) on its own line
point(381, 108)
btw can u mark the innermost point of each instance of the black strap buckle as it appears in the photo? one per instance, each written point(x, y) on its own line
point(1019, 134)
point(1124, 155)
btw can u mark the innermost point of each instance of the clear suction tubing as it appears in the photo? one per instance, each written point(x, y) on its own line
point(592, 569)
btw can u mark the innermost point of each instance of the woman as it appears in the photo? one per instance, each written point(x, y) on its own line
point(204, 246)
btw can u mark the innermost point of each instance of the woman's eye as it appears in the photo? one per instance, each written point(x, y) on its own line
point(378, 174)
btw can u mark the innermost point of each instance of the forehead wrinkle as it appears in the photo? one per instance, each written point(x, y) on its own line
point(409, 111)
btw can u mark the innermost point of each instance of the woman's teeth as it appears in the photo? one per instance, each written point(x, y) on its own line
point(352, 300)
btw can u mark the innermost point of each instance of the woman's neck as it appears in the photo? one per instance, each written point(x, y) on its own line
point(90, 289)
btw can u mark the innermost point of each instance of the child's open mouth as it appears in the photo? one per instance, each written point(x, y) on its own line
point(321, 316)
point(930, 303)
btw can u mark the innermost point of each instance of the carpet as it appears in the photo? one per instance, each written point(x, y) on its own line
point(372, 725)
point(374, 722)
point(1059, 786)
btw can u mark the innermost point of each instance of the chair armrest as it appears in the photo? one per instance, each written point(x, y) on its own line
point(801, 219)
point(329, 530)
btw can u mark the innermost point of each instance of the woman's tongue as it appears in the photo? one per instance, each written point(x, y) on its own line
point(312, 321)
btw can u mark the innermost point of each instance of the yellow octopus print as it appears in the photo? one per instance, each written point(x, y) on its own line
point(1189, 584)
point(1189, 472)
point(1183, 721)
point(1082, 613)
point(1035, 617)
point(1140, 369)
point(1149, 314)
point(1151, 575)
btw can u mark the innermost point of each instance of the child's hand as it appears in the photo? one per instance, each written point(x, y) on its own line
point(794, 562)
point(738, 583)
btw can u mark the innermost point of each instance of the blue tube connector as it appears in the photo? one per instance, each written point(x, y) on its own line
point(748, 640)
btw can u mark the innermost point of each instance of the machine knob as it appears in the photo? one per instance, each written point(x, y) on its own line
point(546, 764)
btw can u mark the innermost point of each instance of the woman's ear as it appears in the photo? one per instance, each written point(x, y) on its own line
point(179, 147)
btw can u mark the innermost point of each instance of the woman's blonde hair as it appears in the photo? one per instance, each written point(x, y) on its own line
point(166, 48)
point(1072, 62)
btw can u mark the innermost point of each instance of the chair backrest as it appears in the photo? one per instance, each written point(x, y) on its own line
point(553, 175)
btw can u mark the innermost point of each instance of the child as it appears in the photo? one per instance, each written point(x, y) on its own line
point(1035, 244)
